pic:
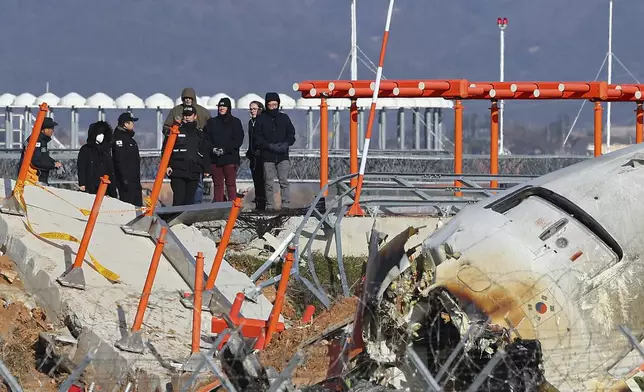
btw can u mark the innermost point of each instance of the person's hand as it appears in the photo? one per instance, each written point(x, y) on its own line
point(82, 188)
point(206, 175)
point(58, 165)
point(168, 171)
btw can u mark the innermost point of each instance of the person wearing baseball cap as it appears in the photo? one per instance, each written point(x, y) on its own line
point(189, 160)
point(41, 159)
point(127, 161)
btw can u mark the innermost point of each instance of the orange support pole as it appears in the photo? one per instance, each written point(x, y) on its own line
point(639, 123)
point(324, 144)
point(353, 141)
point(196, 310)
point(91, 222)
point(74, 276)
point(279, 298)
point(458, 142)
point(308, 314)
point(598, 128)
point(494, 142)
point(163, 165)
point(149, 280)
point(223, 244)
point(31, 147)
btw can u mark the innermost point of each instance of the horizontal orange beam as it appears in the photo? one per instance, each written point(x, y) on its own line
point(464, 89)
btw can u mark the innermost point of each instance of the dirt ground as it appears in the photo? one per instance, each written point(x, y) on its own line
point(284, 345)
point(19, 330)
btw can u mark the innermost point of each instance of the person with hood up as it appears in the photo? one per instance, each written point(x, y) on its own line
point(127, 161)
point(253, 154)
point(274, 134)
point(226, 135)
point(41, 160)
point(95, 159)
point(188, 98)
point(189, 160)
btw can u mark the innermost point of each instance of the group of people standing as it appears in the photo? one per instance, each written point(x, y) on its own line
point(205, 147)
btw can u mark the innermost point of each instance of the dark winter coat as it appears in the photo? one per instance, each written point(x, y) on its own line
point(189, 157)
point(225, 132)
point(41, 160)
point(253, 150)
point(127, 161)
point(95, 160)
point(274, 134)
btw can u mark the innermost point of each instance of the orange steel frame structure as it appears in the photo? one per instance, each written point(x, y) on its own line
point(460, 90)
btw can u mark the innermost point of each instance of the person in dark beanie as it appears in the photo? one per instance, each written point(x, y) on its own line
point(189, 159)
point(253, 154)
point(127, 161)
point(226, 135)
point(41, 160)
point(274, 134)
point(95, 159)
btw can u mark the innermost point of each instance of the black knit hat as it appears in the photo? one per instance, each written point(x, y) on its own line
point(270, 97)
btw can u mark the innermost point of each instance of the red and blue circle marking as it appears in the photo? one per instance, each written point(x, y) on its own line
point(541, 308)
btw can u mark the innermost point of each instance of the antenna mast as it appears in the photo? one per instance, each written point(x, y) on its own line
point(354, 42)
point(610, 69)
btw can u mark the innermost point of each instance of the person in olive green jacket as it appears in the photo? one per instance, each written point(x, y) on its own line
point(188, 98)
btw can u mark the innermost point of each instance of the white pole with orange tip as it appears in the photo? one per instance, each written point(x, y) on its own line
point(355, 208)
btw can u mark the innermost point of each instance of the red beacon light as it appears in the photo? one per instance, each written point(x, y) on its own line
point(502, 22)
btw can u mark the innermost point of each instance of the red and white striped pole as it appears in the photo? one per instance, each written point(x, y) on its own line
point(355, 208)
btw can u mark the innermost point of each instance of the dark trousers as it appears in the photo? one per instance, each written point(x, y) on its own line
point(224, 174)
point(132, 196)
point(183, 190)
point(257, 170)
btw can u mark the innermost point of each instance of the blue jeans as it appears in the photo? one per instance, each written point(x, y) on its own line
point(199, 192)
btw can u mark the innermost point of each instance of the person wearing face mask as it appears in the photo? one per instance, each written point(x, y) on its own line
point(253, 154)
point(274, 134)
point(189, 159)
point(226, 135)
point(95, 159)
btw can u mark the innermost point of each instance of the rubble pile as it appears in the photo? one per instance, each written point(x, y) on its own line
point(395, 312)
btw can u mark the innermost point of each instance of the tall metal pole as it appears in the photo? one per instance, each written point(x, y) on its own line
point(354, 42)
point(610, 69)
point(502, 23)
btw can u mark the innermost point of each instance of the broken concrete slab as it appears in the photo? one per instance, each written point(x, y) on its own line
point(94, 312)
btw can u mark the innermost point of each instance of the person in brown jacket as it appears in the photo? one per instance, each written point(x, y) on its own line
point(188, 98)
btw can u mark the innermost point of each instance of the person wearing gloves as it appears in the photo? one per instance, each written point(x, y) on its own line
point(226, 135)
point(274, 134)
point(189, 159)
point(253, 154)
point(95, 159)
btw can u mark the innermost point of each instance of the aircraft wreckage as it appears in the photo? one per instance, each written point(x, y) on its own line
point(526, 291)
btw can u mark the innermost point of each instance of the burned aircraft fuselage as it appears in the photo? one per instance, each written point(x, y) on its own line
point(557, 259)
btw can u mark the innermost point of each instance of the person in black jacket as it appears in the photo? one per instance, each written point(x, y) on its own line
point(274, 134)
point(127, 161)
point(41, 160)
point(226, 135)
point(253, 154)
point(189, 159)
point(95, 159)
